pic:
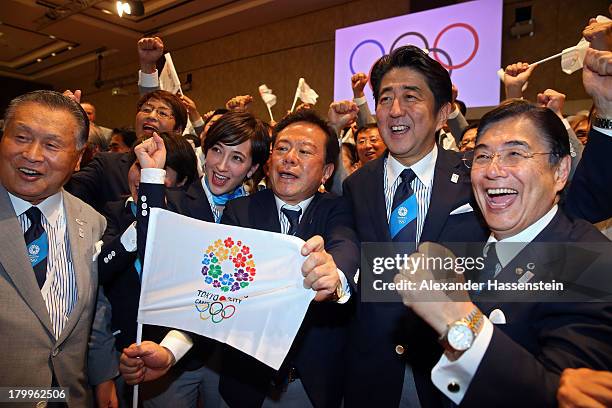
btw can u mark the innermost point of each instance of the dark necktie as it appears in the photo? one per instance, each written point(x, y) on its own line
point(402, 222)
point(491, 265)
point(37, 245)
point(294, 219)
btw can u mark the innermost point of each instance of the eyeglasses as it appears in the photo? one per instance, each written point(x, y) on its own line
point(372, 140)
point(510, 157)
point(162, 113)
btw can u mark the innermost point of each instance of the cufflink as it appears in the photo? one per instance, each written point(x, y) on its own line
point(453, 387)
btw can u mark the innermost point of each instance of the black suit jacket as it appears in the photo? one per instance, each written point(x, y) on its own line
point(318, 349)
point(117, 274)
point(104, 179)
point(526, 356)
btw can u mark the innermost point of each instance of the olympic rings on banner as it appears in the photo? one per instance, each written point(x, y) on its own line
point(380, 46)
point(472, 55)
point(215, 311)
point(435, 50)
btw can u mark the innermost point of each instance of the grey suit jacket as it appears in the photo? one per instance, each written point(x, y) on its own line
point(30, 352)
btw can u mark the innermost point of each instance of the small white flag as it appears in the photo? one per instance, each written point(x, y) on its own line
point(223, 282)
point(573, 58)
point(306, 93)
point(168, 79)
point(266, 94)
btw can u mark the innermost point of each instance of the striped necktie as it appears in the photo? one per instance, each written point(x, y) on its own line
point(402, 222)
point(294, 219)
point(37, 245)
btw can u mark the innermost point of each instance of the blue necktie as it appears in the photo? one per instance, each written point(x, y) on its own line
point(37, 245)
point(402, 222)
point(294, 219)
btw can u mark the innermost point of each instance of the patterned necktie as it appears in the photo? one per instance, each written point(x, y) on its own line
point(491, 265)
point(294, 219)
point(402, 222)
point(37, 245)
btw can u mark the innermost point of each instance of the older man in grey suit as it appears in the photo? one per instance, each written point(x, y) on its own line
point(48, 272)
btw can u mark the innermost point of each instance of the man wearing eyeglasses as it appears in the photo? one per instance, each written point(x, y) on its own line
point(395, 347)
point(105, 178)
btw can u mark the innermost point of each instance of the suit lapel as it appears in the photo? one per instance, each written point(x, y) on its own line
point(264, 212)
point(198, 205)
point(445, 194)
point(303, 230)
point(81, 249)
point(376, 200)
point(16, 263)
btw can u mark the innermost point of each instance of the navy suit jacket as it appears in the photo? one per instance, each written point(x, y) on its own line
point(526, 356)
point(380, 327)
point(102, 180)
point(318, 350)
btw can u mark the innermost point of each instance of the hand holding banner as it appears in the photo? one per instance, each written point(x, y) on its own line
point(225, 283)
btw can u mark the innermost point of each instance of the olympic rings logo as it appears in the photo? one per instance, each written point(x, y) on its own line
point(436, 51)
point(215, 311)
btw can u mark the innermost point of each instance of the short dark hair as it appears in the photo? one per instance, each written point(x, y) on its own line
point(332, 146)
point(180, 157)
point(364, 127)
point(412, 57)
point(551, 128)
point(234, 128)
point(53, 100)
point(176, 105)
point(128, 135)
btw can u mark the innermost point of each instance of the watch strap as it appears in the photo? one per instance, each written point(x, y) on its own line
point(601, 122)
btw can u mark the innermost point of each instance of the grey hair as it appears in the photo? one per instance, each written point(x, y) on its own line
point(52, 100)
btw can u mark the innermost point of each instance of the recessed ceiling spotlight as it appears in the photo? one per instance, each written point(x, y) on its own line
point(53, 54)
point(105, 11)
point(69, 47)
point(131, 7)
point(38, 59)
point(52, 37)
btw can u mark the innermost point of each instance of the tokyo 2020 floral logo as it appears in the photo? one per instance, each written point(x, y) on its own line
point(229, 278)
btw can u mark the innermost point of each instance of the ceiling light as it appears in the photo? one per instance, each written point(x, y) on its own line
point(105, 11)
point(52, 37)
point(53, 54)
point(38, 59)
point(131, 7)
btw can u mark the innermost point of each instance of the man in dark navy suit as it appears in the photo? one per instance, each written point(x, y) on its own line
point(519, 167)
point(416, 193)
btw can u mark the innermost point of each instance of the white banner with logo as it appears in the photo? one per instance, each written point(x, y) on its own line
point(239, 286)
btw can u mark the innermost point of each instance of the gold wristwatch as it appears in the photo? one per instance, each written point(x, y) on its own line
point(461, 334)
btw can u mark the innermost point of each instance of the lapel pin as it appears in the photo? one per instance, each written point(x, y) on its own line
point(526, 277)
point(519, 271)
point(455, 178)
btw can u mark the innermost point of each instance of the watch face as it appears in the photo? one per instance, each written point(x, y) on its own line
point(460, 337)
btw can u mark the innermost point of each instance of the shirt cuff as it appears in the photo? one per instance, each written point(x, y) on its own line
point(607, 132)
point(461, 371)
point(152, 175)
point(128, 238)
point(178, 343)
point(566, 123)
point(360, 101)
point(148, 80)
point(454, 113)
point(346, 288)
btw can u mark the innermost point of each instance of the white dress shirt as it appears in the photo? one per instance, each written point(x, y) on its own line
point(421, 185)
point(60, 288)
